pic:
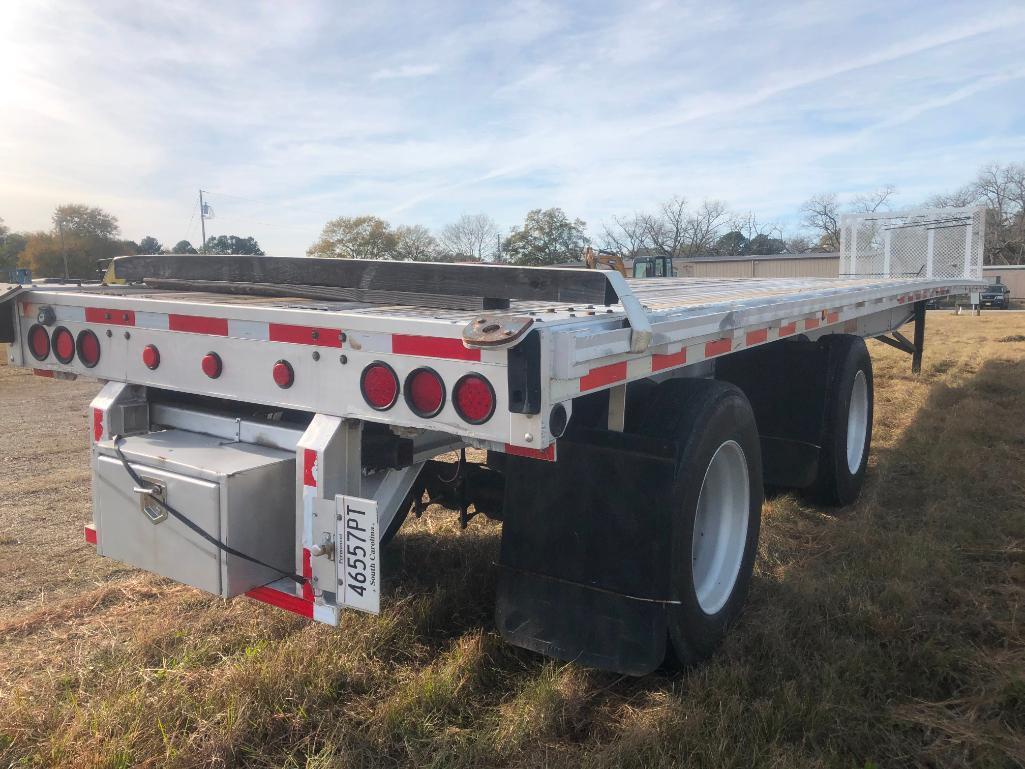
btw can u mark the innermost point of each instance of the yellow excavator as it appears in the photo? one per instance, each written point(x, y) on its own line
point(643, 266)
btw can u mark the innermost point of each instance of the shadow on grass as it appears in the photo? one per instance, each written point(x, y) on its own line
point(878, 633)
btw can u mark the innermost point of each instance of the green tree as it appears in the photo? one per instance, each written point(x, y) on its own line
point(547, 237)
point(232, 244)
point(150, 245)
point(415, 244)
point(356, 237)
point(733, 243)
point(183, 247)
point(44, 254)
point(763, 244)
point(10, 250)
point(77, 220)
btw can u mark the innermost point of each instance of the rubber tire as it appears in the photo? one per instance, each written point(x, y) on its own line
point(701, 415)
point(836, 485)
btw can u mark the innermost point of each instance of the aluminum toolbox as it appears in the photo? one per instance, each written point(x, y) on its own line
point(240, 493)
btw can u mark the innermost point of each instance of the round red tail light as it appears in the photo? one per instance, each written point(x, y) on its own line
point(425, 392)
point(151, 356)
point(379, 385)
point(88, 347)
point(211, 364)
point(283, 374)
point(474, 399)
point(63, 345)
point(38, 342)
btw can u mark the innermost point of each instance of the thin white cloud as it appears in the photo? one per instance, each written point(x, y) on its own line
point(298, 113)
point(405, 71)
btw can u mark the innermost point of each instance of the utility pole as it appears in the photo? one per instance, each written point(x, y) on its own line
point(202, 222)
point(64, 251)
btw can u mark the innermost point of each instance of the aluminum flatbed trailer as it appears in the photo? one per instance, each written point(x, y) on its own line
point(267, 424)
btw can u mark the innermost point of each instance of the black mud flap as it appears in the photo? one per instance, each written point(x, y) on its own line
point(786, 383)
point(585, 557)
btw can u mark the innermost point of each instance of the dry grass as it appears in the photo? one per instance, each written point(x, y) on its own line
point(889, 634)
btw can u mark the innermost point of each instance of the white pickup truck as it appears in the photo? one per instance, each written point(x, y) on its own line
point(267, 423)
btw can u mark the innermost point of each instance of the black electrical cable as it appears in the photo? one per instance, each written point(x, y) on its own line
point(118, 440)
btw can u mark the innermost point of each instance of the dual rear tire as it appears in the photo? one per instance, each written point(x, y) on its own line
point(847, 425)
point(716, 507)
point(717, 494)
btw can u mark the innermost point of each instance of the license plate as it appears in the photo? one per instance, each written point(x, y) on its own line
point(359, 573)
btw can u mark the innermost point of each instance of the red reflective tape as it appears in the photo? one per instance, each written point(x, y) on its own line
point(788, 329)
point(197, 324)
point(850, 326)
point(110, 317)
point(603, 375)
point(432, 347)
point(757, 337)
point(718, 347)
point(811, 323)
point(832, 317)
point(43, 372)
point(548, 455)
point(90, 534)
point(322, 337)
point(286, 601)
point(97, 425)
point(308, 573)
point(660, 362)
point(309, 462)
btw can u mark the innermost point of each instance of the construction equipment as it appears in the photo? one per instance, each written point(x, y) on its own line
point(642, 267)
point(629, 424)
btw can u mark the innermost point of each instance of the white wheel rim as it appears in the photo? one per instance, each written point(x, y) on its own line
point(720, 527)
point(857, 422)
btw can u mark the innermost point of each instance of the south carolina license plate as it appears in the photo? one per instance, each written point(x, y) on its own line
point(359, 573)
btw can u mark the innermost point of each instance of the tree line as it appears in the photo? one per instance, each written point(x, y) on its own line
point(83, 237)
point(675, 228)
point(85, 234)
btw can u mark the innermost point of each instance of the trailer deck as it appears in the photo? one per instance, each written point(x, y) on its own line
point(586, 347)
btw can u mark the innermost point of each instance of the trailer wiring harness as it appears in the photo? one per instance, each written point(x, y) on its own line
point(185, 520)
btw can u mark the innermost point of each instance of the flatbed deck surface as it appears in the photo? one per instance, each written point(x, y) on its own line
point(660, 297)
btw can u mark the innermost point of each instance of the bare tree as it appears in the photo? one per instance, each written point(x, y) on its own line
point(667, 230)
point(1002, 190)
point(821, 213)
point(673, 230)
point(965, 196)
point(472, 236)
point(797, 244)
point(705, 224)
point(627, 235)
point(870, 202)
point(415, 244)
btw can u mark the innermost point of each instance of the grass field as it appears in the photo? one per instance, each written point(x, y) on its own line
point(887, 634)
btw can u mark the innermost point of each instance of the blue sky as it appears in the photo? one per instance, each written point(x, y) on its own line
point(293, 112)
